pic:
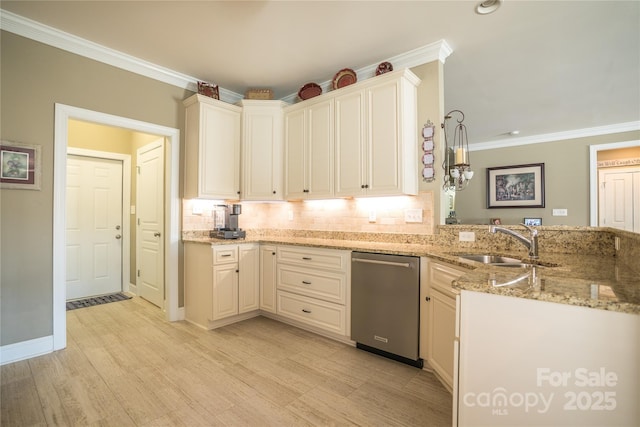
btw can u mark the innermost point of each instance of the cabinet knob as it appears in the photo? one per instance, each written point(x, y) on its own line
point(366, 186)
point(237, 271)
point(427, 299)
point(362, 186)
point(274, 191)
point(273, 253)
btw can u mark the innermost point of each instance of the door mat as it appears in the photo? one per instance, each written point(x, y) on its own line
point(104, 299)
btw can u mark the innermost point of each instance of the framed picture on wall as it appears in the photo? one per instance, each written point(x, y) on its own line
point(519, 186)
point(20, 166)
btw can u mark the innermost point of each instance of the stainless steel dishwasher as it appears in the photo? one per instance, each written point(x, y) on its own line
point(385, 305)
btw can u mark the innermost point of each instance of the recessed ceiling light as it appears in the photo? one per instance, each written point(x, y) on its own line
point(488, 6)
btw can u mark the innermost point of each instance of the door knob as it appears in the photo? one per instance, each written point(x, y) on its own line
point(118, 236)
point(156, 234)
point(117, 227)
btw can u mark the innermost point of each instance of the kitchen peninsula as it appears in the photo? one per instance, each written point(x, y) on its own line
point(570, 310)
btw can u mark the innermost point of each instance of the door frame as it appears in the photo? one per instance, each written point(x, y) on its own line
point(593, 174)
point(63, 113)
point(126, 202)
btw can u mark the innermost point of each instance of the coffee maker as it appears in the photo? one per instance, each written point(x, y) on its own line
point(230, 230)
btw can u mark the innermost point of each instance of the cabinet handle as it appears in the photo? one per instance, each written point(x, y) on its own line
point(427, 299)
point(306, 258)
point(225, 255)
point(304, 310)
point(304, 282)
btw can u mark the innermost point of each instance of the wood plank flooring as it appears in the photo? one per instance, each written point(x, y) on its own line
point(124, 365)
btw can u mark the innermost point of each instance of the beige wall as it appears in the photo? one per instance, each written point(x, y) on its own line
point(34, 78)
point(566, 180)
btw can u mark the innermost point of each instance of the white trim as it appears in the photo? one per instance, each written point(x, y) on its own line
point(593, 174)
point(126, 203)
point(53, 37)
point(26, 349)
point(558, 136)
point(437, 51)
point(172, 227)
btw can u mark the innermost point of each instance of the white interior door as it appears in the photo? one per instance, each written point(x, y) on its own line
point(150, 223)
point(93, 226)
point(619, 199)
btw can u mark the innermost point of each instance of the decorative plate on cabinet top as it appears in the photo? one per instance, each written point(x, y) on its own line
point(384, 67)
point(309, 91)
point(344, 77)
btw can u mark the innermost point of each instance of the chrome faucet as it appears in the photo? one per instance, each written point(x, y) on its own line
point(531, 243)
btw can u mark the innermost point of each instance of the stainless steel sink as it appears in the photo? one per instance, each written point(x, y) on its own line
point(495, 260)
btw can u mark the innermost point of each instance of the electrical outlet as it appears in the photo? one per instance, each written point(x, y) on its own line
point(290, 215)
point(559, 212)
point(616, 243)
point(197, 208)
point(413, 215)
point(372, 215)
point(467, 236)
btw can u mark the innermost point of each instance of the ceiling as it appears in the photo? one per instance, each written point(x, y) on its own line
point(538, 67)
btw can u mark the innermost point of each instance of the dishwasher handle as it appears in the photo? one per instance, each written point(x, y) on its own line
point(375, 261)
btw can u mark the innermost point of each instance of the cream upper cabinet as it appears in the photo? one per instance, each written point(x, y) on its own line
point(262, 150)
point(377, 137)
point(309, 150)
point(212, 149)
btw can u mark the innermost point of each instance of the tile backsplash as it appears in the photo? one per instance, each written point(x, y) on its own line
point(371, 215)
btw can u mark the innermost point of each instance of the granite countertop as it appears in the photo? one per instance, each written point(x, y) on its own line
point(593, 281)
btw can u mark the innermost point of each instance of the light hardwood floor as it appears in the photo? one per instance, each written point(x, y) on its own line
point(124, 365)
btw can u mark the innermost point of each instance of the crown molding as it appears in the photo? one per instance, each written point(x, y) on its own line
point(557, 136)
point(34, 30)
point(437, 51)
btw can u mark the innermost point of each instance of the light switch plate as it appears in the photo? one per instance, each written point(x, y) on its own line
point(467, 236)
point(413, 215)
point(559, 212)
point(372, 215)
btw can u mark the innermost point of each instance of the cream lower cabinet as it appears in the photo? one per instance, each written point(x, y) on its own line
point(222, 283)
point(268, 275)
point(438, 319)
point(313, 288)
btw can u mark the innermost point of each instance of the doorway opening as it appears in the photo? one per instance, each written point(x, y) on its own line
point(597, 197)
point(170, 233)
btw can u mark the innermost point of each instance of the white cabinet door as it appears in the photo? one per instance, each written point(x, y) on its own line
point(262, 145)
point(295, 141)
point(248, 278)
point(212, 149)
point(383, 139)
point(349, 144)
point(320, 162)
point(309, 151)
point(225, 291)
point(268, 278)
point(442, 319)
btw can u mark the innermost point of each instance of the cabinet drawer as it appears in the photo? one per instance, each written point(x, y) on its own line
point(441, 276)
point(331, 259)
point(224, 254)
point(309, 282)
point(324, 315)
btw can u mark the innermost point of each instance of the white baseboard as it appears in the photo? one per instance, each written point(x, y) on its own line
point(26, 349)
point(181, 313)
